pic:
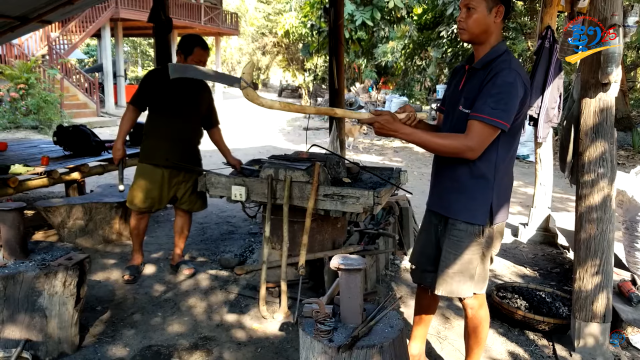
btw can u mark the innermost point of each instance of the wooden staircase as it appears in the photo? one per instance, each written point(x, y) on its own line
point(75, 107)
point(58, 41)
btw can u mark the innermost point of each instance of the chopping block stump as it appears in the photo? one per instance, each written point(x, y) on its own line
point(12, 239)
point(89, 220)
point(386, 341)
point(42, 302)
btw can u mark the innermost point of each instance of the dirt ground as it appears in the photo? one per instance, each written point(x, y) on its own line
point(204, 318)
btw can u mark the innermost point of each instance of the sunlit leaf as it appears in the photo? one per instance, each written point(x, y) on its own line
point(376, 13)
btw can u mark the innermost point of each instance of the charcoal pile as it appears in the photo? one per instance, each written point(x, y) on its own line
point(536, 302)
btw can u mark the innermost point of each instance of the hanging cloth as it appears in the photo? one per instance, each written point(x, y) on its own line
point(547, 81)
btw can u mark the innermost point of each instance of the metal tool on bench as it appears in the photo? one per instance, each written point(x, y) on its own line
point(265, 252)
point(245, 83)
point(121, 174)
point(284, 298)
point(305, 235)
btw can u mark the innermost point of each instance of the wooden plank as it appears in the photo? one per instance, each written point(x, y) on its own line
point(58, 158)
point(329, 197)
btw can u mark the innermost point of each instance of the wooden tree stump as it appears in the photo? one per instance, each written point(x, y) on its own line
point(14, 243)
point(89, 220)
point(386, 341)
point(41, 302)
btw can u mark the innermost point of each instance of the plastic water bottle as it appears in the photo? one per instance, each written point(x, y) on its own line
point(611, 68)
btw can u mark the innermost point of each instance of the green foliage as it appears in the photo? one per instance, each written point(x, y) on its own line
point(410, 44)
point(90, 49)
point(29, 101)
point(635, 139)
point(138, 56)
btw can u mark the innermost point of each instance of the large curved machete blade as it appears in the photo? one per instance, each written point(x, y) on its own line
point(202, 73)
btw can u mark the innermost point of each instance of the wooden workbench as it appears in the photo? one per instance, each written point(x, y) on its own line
point(357, 203)
point(30, 151)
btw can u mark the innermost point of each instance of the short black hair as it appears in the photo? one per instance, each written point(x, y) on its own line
point(189, 42)
point(491, 4)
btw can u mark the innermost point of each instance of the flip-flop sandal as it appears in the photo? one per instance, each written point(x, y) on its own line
point(133, 271)
point(181, 266)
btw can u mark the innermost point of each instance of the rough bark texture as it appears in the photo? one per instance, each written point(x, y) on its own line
point(336, 67)
point(89, 220)
point(384, 342)
point(12, 239)
point(42, 305)
point(75, 188)
point(594, 235)
point(624, 121)
point(162, 28)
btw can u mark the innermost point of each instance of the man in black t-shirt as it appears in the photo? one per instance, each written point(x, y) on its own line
point(179, 111)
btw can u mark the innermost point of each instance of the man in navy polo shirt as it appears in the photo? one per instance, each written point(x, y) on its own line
point(480, 120)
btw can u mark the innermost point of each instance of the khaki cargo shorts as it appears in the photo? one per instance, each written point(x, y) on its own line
point(154, 187)
point(452, 258)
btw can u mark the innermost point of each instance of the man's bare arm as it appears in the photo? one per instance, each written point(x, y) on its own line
point(469, 145)
point(129, 118)
point(216, 137)
point(423, 125)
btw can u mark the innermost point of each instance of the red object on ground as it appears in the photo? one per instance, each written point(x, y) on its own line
point(3, 146)
point(626, 288)
point(129, 90)
point(44, 161)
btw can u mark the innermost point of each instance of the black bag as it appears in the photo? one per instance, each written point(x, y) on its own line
point(136, 134)
point(79, 140)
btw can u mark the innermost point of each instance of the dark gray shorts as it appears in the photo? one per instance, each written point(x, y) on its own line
point(452, 258)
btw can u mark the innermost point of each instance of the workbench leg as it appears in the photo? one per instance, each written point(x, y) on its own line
point(75, 188)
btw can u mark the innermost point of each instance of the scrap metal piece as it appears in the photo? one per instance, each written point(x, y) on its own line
point(70, 259)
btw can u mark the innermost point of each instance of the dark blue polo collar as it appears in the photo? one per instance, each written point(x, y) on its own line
point(495, 51)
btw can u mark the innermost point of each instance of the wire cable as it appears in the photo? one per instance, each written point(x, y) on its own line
point(360, 167)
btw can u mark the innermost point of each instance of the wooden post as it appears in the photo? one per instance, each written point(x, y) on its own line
point(107, 68)
point(595, 217)
point(336, 68)
point(162, 27)
point(119, 37)
point(75, 188)
point(14, 243)
point(538, 223)
point(218, 87)
point(174, 45)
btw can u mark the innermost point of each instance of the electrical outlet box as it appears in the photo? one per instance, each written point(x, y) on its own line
point(238, 193)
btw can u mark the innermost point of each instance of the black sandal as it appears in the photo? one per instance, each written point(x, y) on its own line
point(133, 271)
point(181, 266)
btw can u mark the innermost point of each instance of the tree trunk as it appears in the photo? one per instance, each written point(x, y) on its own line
point(43, 304)
point(162, 28)
point(595, 225)
point(624, 121)
point(385, 341)
point(90, 220)
point(336, 69)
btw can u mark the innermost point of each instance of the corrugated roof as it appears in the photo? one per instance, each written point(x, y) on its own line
point(29, 9)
